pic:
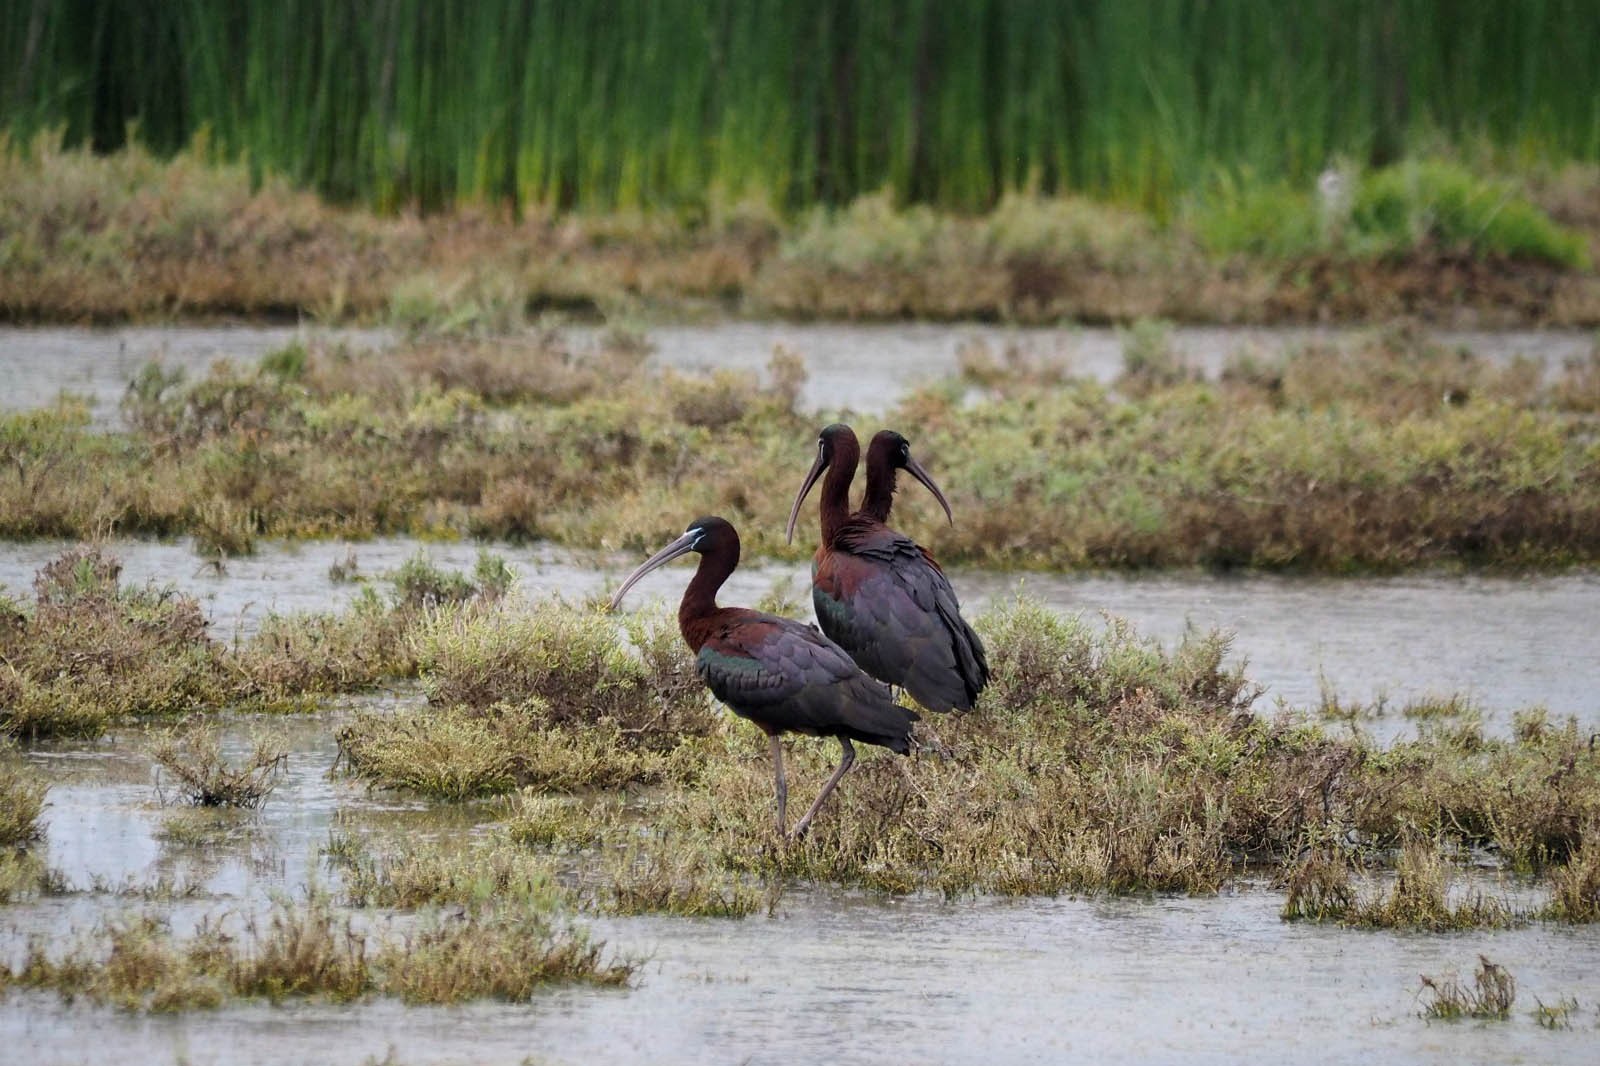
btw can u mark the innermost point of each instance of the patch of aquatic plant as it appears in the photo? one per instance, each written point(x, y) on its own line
point(478, 872)
point(1557, 1015)
point(1101, 762)
point(92, 651)
point(24, 876)
point(22, 793)
point(301, 950)
point(191, 763)
point(127, 235)
point(1489, 998)
point(685, 883)
point(292, 660)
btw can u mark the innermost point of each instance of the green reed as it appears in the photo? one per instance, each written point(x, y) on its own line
point(691, 103)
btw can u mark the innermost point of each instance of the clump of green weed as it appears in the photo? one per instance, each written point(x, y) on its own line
point(1150, 360)
point(293, 657)
point(1412, 207)
point(22, 795)
point(572, 662)
point(23, 875)
point(1319, 886)
point(1491, 996)
point(192, 756)
point(678, 882)
point(538, 819)
point(458, 752)
point(419, 585)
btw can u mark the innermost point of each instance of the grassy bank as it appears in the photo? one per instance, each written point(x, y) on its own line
point(684, 104)
point(129, 236)
point(1392, 454)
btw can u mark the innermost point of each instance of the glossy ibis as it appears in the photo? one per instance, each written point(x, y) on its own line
point(878, 593)
point(780, 674)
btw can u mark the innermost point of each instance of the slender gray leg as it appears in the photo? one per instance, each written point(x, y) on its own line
point(845, 761)
point(783, 785)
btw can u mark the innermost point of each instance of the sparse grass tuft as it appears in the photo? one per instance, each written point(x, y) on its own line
point(192, 755)
point(308, 950)
point(1490, 998)
point(1557, 1015)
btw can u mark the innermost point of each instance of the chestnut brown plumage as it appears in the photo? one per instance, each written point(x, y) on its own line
point(784, 676)
point(877, 593)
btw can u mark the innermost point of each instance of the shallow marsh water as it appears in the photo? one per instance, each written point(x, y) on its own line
point(865, 368)
point(833, 975)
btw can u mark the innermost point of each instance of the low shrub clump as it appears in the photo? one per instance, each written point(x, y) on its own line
point(92, 651)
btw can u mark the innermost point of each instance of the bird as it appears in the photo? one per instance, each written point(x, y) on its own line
point(781, 674)
point(877, 593)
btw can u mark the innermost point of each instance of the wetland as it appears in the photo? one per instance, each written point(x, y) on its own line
point(1315, 777)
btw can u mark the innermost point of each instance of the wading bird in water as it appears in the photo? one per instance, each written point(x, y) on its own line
point(878, 594)
point(780, 674)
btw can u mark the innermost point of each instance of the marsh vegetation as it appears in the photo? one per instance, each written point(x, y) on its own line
point(133, 236)
point(1390, 453)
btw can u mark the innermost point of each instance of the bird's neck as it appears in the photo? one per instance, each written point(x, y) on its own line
point(699, 605)
point(835, 503)
point(879, 498)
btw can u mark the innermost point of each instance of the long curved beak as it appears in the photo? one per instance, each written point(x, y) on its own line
point(811, 479)
point(682, 546)
point(915, 469)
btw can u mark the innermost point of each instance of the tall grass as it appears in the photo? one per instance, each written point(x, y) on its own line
point(687, 103)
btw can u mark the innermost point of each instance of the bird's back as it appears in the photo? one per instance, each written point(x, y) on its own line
point(787, 677)
point(885, 600)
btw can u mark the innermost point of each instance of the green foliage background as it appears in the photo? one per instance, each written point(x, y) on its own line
point(686, 104)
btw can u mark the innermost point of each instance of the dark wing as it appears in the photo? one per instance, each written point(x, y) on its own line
point(787, 677)
point(886, 602)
